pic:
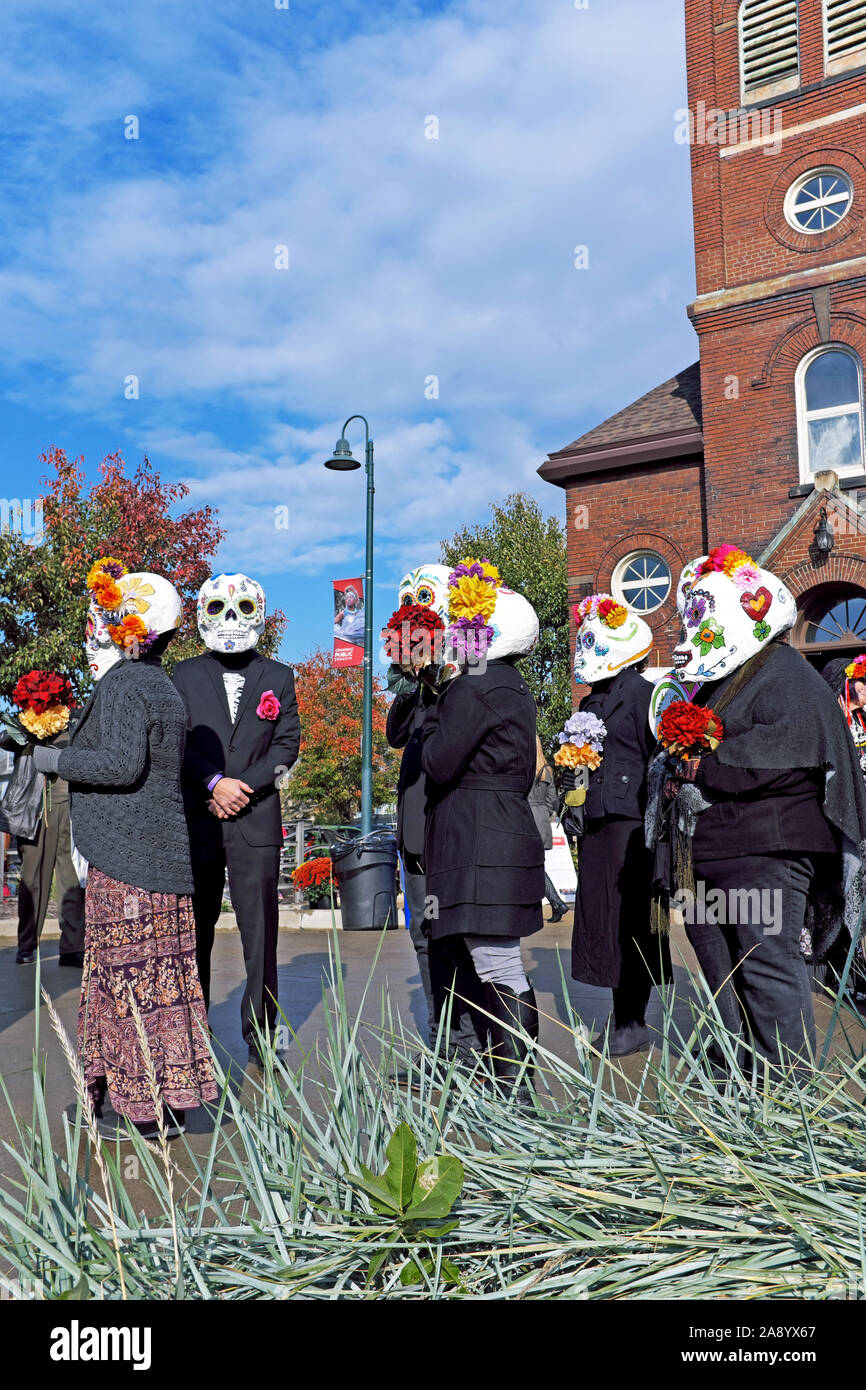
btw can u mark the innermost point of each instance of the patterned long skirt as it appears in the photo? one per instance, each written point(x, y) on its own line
point(143, 943)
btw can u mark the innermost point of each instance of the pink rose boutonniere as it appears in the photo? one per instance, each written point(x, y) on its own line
point(269, 706)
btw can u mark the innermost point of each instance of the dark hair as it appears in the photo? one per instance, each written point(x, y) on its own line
point(834, 674)
point(157, 647)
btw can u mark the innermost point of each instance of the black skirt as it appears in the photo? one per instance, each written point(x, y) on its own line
point(612, 943)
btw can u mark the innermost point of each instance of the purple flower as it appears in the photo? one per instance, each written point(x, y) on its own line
point(694, 611)
point(112, 567)
point(584, 729)
point(470, 636)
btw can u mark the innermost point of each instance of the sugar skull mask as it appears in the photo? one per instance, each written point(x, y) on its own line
point(127, 613)
point(231, 613)
point(102, 653)
point(609, 638)
point(428, 586)
point(731, 610)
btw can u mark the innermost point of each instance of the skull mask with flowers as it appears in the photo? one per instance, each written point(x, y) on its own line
point(231, 613)
point(732, 608)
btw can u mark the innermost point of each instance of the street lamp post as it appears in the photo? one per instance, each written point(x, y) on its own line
point(341, 461)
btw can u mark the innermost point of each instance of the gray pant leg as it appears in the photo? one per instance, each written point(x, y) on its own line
point(414, 895)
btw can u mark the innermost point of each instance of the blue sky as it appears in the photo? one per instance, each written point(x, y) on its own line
point(408, 257)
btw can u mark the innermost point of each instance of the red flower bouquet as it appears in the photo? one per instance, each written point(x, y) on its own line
point(411, 635)
point(314, 878)
point(44, 699)
point(688, 730)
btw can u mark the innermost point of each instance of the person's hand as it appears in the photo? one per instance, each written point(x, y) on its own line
point(215, 811)
point(568, 779)
point(230, 794)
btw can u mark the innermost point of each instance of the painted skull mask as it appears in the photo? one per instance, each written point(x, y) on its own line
point(602, 651)
point(231, 613)
point(428, 586)
point(102, 652)
point(728, 617)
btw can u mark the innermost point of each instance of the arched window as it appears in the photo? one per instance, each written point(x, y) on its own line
point(844, 35)
point(769, 48)
point(829, 389)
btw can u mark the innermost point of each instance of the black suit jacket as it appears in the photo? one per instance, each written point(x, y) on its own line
point(253, 749)
point(618, 787)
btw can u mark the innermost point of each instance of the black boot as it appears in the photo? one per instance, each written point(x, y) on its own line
point(509, 1050)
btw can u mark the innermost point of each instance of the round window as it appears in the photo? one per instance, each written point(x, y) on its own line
point(816, 201)
point(642, 581)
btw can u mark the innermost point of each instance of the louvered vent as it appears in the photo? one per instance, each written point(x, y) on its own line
point(845, 33)
point(769, 47)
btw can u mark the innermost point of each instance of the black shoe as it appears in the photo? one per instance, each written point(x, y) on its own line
point(623, 1041)
point(509, 1051)
point(557, 914)
point(74, 959)
point(25, 957)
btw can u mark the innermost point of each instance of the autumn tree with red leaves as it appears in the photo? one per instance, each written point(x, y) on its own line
point(43, 603)
point(325, 782)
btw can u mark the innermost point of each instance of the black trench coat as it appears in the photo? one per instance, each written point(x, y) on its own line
point(483, 856)
point(612, 935)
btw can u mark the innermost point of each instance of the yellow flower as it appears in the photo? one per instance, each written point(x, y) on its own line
point(617, 616)
point(54, 719)
point(99, 570)
point(733, 561)
point(471, 596)
point(133, 593)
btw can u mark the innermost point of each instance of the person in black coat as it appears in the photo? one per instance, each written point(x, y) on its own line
point(482, 852)
point(440, 967)
point(613, 944)
point(243, 735)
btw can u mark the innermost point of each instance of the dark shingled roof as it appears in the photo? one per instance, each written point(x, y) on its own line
point(673, 406)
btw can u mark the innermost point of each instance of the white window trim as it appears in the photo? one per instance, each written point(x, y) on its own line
point(855, 59)
point(803, 417)
point(620, 568)
point(800, 182)
point(781, 85)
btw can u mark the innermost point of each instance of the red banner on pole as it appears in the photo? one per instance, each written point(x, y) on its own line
point(348, 622)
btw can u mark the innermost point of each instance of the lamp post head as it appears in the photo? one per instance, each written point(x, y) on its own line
point(341, 460)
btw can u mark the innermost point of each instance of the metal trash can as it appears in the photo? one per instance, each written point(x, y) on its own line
point(366, 872)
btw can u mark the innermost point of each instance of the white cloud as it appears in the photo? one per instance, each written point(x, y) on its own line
point(409, 257)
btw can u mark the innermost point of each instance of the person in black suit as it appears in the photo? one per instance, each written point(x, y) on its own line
point(613, 944)
point(243, 735)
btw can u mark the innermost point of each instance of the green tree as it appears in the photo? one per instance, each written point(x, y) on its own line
point(43, 602)
point(529, 550)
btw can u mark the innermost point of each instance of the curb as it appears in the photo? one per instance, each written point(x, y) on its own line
point(291, 919)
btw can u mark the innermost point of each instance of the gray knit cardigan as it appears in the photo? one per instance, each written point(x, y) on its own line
point(123, 769)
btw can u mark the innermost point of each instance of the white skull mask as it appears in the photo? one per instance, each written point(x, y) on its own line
point(608, 640)
point(231, 613)
point(729, 615)
point(102, 653)
point(428, 586)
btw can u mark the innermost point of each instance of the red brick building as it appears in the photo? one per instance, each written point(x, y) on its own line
point(766, 431)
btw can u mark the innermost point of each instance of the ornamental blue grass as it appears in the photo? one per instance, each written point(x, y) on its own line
point(584, 730)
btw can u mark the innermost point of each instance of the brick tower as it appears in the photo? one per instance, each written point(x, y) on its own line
point(762, 442)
